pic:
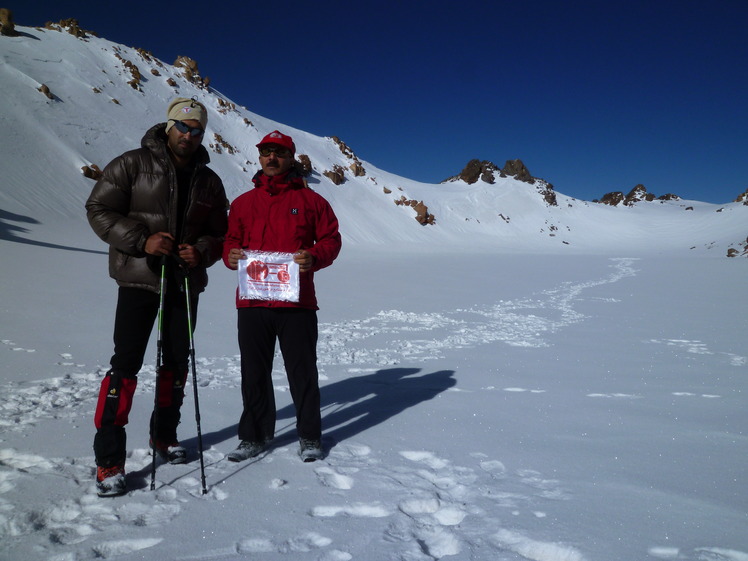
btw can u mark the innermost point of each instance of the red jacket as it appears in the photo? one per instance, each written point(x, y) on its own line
point(281, 214)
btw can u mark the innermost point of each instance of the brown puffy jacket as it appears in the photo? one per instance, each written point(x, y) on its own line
point(136, 197)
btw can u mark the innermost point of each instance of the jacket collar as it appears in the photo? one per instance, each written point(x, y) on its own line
point(277, 183)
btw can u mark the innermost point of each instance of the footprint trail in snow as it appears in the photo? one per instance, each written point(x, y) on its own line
point(427, 507)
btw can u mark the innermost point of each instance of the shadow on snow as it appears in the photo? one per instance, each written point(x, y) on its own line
point(355, 404)
point(10, 233)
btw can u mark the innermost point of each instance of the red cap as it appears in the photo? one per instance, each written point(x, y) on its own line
point(280, 139)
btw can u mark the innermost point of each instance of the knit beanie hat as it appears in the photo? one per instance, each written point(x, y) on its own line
point(183, 109)
point(280, 139)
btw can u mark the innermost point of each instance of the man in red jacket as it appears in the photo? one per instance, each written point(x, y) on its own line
point(280, 215)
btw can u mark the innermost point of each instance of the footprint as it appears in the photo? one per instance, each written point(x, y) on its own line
point(330, 478)
point(255, 545)
point(30, 463)
point(336, 555)
point(450, 515)
point(438, 542)
point(426, 458)
point(494, 467)
point(116, 548)
point(721, 554)
point(737, 360)
point(306, 542)
point(664, 552)
point(139, 514)
point(533, 549)
point(549, 488)
point(357, 510)
point(303, 543)
point(416, 507)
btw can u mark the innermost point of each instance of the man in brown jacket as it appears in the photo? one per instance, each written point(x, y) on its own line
point(150, 203)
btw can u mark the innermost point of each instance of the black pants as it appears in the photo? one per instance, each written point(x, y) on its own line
point(296, 331)
point(137, 311)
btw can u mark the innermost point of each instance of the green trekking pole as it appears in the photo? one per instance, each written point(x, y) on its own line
point(188, 297)
point(194, 382)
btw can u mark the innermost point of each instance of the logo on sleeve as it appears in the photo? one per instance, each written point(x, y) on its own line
point(294, 211)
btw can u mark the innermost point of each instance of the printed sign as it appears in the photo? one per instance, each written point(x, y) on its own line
point(268, 276)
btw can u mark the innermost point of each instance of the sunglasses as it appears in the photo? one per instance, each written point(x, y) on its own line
point(184, 129)
point(278, 151)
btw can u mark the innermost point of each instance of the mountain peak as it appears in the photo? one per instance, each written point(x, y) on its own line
point(107, 95)
point(486, 171)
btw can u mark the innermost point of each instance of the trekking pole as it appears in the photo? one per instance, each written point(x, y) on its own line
point(159, 356)
point(185, 270)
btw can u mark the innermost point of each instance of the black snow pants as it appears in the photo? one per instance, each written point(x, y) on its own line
point(137, 310)
point(296, 332)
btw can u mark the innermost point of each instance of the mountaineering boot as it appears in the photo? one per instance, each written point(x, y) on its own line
point(310, 450)
point(110, 482)
point(172, 453)
point(245, 450)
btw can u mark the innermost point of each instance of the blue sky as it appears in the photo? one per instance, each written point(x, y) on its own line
point(592, 96)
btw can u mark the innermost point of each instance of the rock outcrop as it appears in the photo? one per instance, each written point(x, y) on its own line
point(70, 25)
point(190, 71)
point(422, 211)
point(486, 171)
point(45, 90)
point(356, 167)
point(303, 165)
point(336, 175)
point(518, 170)
point(475, 170)
point(7, 27)
point(637, 194)
point(92, 172)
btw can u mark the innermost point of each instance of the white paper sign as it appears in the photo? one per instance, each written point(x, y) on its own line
point(268, 276)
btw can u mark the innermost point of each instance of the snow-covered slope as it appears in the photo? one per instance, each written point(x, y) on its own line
point(95, 114)
point(475, 406)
